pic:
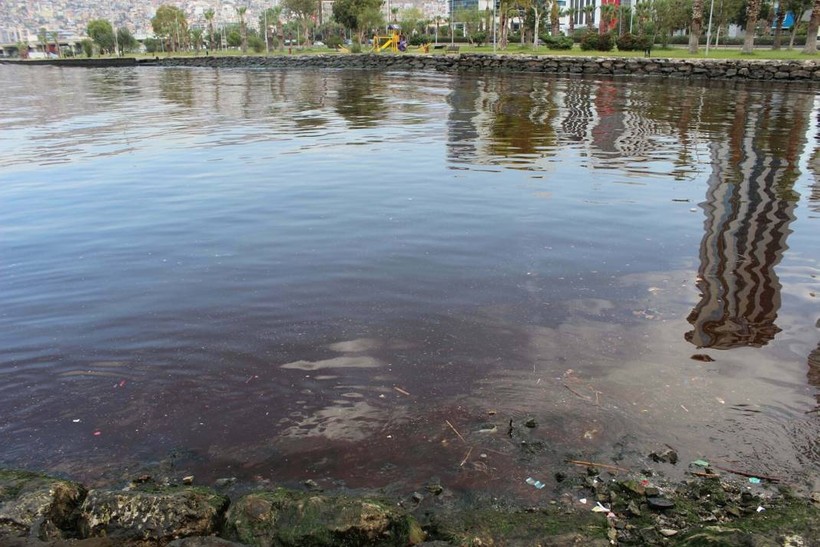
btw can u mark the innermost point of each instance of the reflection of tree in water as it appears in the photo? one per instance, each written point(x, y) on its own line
point(359, 99)
point(749, 206)
point(814, 371)
point(177, 86)
point(522, 116)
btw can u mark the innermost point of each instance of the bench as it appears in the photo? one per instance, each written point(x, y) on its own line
point(451, 49)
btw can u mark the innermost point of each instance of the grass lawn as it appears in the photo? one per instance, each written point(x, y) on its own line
point(673, 52)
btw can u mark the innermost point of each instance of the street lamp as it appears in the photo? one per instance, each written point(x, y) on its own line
point(452, 24)
point(709, 27)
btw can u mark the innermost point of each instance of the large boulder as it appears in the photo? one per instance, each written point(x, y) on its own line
point(155, 518)
point(285, 518)
point(37, 506)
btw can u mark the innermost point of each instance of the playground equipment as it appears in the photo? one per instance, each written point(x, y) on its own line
point(395, 41)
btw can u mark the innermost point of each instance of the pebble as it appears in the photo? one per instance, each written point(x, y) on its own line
point(657, 502)
point(188, 480)
point(668, 532)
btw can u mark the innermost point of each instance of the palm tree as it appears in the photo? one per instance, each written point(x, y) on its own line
point(778, 26)
point(589, 13)
point(571, 12)
point(555, 19)
point(697, 25)
point(607, 12)
point(811, 36)
point(752, 9)
point(209, 16)
point(242, 29)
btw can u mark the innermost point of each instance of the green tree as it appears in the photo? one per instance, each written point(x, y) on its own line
point(811, 34)
point(102, 33)
point(752, 11)
point(303, 10)
point(170, 23)
point(243, 30)
point(55, 36)
point(42, 39)
point(152, 45)
point(209, 17)
point(697, 25)
point(356, 15)
point(271, 21)
point(197, 39)
point(410, 19)
point(125, 40)
point(88, 47)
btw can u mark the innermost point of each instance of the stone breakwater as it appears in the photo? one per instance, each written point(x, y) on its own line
point(806, 72)
point(718, 69)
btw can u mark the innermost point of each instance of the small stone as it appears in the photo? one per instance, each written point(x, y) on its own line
point(659, 503)
point(652, 491)
point(311, 484)
point(633, 509)
point(188, 480)
point(815, 497)
point(667, 455)
point(702, 357)
point(435, 489)
point(734, 511)
point(224, 482)
point(531, 423)
point(668, 532)
point(416, 497)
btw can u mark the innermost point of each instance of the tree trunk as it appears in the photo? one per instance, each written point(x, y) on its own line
point(811, 33)
point(794, 33)
point(697, 25)
point(752, 9)
point(778, 29)
point(535, 29)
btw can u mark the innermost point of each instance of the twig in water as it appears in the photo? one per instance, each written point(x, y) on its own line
point(705, 475)
point(745, 474)
point(593, 464)
point(584, 397)
point(456, 431)
point(400, 390)
point(467, 457)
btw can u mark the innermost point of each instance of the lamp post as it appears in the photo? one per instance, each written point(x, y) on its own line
point(494, 26)
point(452, 24)
point(709, 27)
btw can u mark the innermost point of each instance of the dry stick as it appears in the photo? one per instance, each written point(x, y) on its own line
point(705, 475)
point(744, 474)
point(400, 390)
point(584, 397)
point(467, 457)
point(593, 464)
point(456, 430)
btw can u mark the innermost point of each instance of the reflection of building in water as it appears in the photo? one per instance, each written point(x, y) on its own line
point(749, 207)
point(814, 371)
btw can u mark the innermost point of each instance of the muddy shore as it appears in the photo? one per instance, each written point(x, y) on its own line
point(593, 505)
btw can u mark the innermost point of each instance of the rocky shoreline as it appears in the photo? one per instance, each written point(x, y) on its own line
point(592, 506)
point(807, 71)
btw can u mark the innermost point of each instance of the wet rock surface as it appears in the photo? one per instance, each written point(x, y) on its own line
point(590, 506)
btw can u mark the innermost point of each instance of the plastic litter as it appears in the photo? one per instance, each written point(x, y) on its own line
point(760, 508)
point(701, 463)
point(536, 483)
point(583, 500)
point(600, 509)
point(754, 480)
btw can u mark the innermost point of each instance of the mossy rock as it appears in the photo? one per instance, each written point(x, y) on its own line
point(38, 506)
point(284, 517)
point(552, 525)
point(157, 517)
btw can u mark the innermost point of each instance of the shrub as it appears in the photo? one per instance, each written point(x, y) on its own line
point(558, 42)
point(419, 39)
point(479, 38)
point(356, 46)
point(628, 42)
point(594, 41)
point(257, 44)
point(88, 47)
point(333, 42)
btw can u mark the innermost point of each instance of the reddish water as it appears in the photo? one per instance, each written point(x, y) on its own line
point(351, 277)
